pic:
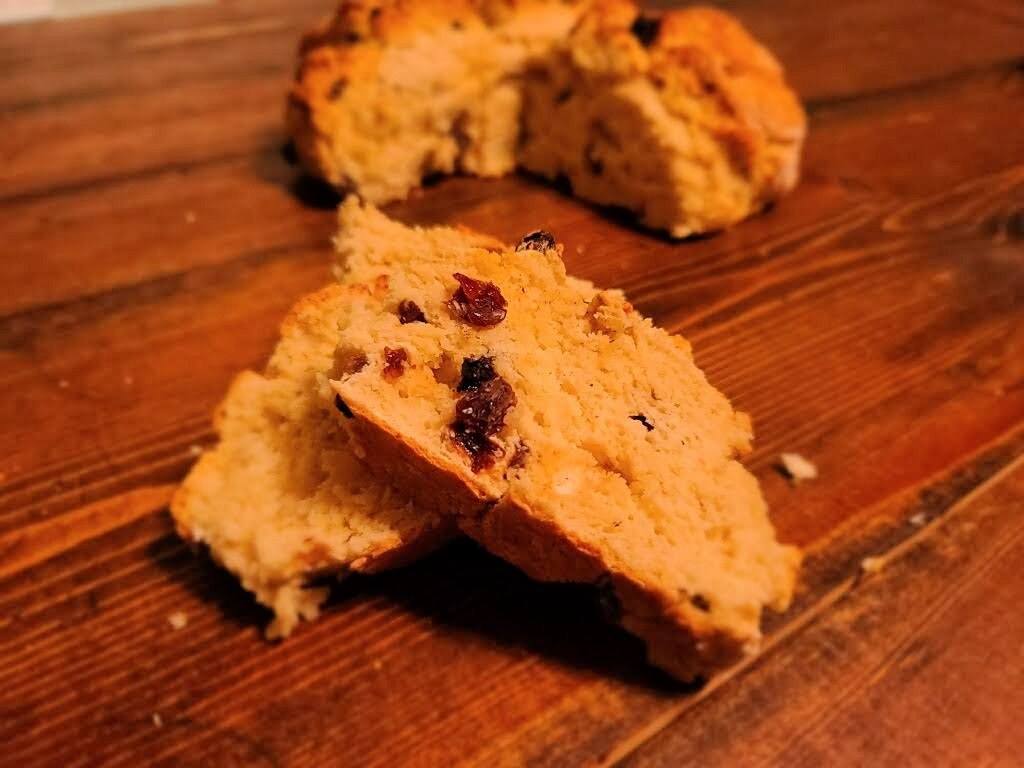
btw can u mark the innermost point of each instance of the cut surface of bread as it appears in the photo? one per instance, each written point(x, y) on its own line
point(282, 500)
point(567, 434)
point(390, 92)
point(683, 119)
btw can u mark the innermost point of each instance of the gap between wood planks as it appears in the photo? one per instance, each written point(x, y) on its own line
point(842, 590)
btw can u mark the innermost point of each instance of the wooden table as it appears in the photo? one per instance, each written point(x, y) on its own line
point(873, 321)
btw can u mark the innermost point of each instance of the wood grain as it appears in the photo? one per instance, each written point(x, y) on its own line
point(907, 667)
point(872, 321)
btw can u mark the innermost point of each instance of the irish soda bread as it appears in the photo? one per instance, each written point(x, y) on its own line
point(566, 433)
point(681, 118)
point(282, 499)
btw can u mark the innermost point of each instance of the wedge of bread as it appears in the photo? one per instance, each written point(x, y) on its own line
point(683, 118)
point(565, 432)
point(282, 500)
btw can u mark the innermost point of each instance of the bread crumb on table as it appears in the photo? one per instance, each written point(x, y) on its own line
point(797, 468)
point(919, 519)
point(178, 620)
point(157, 720)
point(872, 564)
point(195, 450)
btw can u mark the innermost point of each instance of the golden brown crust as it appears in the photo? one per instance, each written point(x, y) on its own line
point(396, 460)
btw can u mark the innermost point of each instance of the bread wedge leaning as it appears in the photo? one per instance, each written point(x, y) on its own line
point(282, 501)
point(565, 433)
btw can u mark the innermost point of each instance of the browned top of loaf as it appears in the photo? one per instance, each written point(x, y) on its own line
point(718, 57)
point(708, 69)
point(698, 57)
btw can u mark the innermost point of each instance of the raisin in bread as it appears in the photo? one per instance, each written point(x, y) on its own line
point(282, 499)
point(683, 119)
point(567, 433)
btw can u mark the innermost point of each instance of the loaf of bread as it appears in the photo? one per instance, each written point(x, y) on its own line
point(282, 501)
point(683, 119)
point(564, 431)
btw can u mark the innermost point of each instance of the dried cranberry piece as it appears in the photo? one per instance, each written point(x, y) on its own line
point(537, 241)
point(477, 302)
point(409, 312)
point(475, 372)
point(479, 448)
point(645, 29)
point(479, 415)
point(643, 420)
point(394, 362)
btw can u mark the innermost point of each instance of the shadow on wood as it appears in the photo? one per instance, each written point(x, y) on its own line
point(464, 588)
point(459, 589)
point(214, 585)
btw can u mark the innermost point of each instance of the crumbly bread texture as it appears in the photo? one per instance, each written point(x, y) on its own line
point(683, 118)
point(579, 442)
point(282, 500)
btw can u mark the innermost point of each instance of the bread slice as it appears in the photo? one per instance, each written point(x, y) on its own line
point(282, 500)
point(683, 119)
point(567, 434)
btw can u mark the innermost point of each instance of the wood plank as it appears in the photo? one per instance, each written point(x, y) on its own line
point(80, 39)
point(918, 664)
point(109, 64)
point(93, 142)
point(180, 221)
point(837, 52)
